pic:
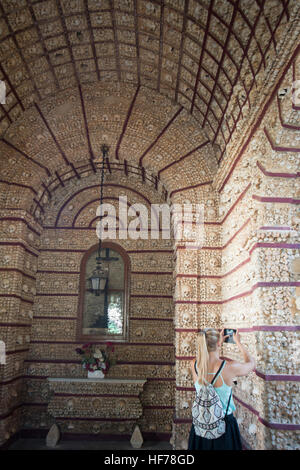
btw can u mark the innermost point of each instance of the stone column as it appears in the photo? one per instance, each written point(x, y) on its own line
point(197, 299)
point(18, 259)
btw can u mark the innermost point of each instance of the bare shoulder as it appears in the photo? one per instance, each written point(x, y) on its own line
point(238, 369)
point(231, 364)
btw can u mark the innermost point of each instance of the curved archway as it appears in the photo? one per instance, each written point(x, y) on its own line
point(184, 94)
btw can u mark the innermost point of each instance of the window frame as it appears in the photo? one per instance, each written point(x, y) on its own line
point(82, 290)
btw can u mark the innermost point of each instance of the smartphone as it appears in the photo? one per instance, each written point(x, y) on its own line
point(229, 331)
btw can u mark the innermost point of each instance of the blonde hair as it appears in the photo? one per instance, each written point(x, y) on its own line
point(206, 342)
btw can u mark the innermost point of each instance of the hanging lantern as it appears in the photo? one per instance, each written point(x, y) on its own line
point(98, 280)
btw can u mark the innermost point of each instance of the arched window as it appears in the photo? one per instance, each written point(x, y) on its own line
point(104, 316)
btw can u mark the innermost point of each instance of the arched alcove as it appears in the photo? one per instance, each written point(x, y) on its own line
point(197, 104)
point(105, 318)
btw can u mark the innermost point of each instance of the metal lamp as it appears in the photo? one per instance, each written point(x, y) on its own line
point(99, 279)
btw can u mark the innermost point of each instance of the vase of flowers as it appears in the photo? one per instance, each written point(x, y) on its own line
point(95, 360)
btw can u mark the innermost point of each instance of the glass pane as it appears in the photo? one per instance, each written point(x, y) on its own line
point(115, 313)
point(103, 315)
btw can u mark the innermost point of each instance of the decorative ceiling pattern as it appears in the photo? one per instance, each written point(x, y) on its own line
point(205, 55)
point(60, 139)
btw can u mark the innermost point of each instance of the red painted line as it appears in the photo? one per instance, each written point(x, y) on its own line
point(11, 183)
point(293, 246)
point(276, 328)
point(150, 251)
point(237, 296)
point(266, 377)
point(151, 319)
point(57, 272)
point(251, 329)
point(278, 200)
point(105, 198)
point(39, 205)
point(259, 119)
point(119, 227)
point(183, 29)
point(97, 186)
point(84, 395)
point(206, 32)
point(169, 273)
point(257, 245)
point(208, 276)
point(142, 296)
point(198, 276)
point(60, 250)
point(82, 418)
point(185, 389)
point(19, 219)
point(18, 271)
point(184, 358)
point(238, 200)
point(10, 381)
point(282, 426)
point(116, 166)
point(283, 124)
point(60, 179)
point(280, 149)
point(75, 171)
point(236, 233)
point(183, 157)
point(252, 35)
point(274, 227)
point(66, 161)
point(147, 363)
point(10, 412)
point(189, 187)
point(69, 361)
point(116, 343)
point(161, 379)
point(16, 296)
point(85, 122)
point(49, 317)
point(278, 378)
point(241, 196)
point(182, 420)
point(186, 330)
point(57, 294)
point(220, 65)
point(17, 351)
point(160, 134)
point(158, 407)
point(126, 121)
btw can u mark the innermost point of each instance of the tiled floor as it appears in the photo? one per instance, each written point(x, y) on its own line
point(40, 444)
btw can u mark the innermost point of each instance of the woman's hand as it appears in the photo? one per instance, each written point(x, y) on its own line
point(222, 337)
point(236, 337)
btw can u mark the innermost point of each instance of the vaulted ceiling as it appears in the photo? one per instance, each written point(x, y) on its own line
point(205, 55)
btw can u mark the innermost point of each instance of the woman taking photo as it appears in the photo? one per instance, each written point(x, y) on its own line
point(207, 368)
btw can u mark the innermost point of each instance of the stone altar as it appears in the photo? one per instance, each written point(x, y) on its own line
point(104, 407)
